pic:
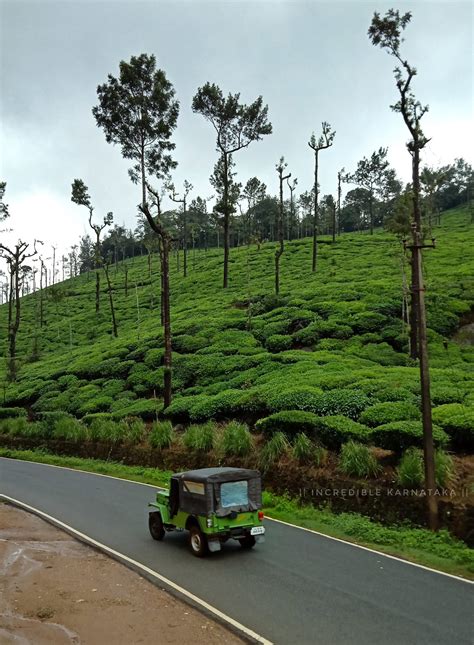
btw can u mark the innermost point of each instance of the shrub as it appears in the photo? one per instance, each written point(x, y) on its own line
point(445, 393)
point(69, 429)
point(387, 393)
point(335, 430)
point(273, 450)
point(9, 413)
point(303, 448)
point(410, 471)
point(458, 421)
point(199, 438)
point(289, 422)
point(349, 403)
point(236, 439)
point(15, 426)
point(400, 435)
point(320, 455)
point(106, 430)
point(98, 404)
point(296, 398)
point(101, 416)
point(382, 413)
point(161, 435)
point(444, 468)
point(134, 429)
point(356, 459)
point(147, 409)
point(278, 343)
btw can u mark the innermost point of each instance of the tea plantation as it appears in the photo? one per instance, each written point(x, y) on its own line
point(327, 358)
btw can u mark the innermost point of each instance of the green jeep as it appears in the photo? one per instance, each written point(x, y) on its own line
point(213, 504)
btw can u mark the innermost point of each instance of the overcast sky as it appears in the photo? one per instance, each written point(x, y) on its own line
point(311, 61)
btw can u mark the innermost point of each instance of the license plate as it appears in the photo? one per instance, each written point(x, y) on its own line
point(257, 530)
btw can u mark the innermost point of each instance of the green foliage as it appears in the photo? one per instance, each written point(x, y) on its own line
point(444, 468)
point(387, 412)
point(69, 429)
point(161, 435)
point(278, 343)
point(400, 435)
point(200, 438)
point(8, 413)
point(236, 439)
point(335, 430)
point(410, 471)
point(147, 409)
point(303, 448)
point(134, 430)
point(289, 422)
point(356, 459)
point(273, 450)
point(296, 398)
point(14, 426)
point(458, 421)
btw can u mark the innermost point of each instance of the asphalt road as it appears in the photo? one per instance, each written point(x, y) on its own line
point(298, 588)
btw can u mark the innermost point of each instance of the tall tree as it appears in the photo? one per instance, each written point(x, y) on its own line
point(372, 174)
point(15, 258)
point(80, 196)
point(325, 141)
point(280, 168)
point(292, 222)
point(386, 32)
point(138, 111)
point(253, 192)
point(236, 126)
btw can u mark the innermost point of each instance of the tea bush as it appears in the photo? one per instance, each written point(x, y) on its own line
point(278, 343)
point(335, 430)
point(289, 422)
point(382, 413)
point(400, 435)
point(8, 413)
point(458, 421)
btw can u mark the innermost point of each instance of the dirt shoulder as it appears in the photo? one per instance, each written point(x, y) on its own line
point(55, 590)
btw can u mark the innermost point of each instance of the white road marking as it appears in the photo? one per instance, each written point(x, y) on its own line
point(121, 557)
point(272, 519)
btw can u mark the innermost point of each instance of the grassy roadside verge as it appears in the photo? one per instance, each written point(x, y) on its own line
point(436, 550)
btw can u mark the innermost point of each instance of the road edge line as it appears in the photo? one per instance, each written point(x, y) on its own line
point(267, 517)
point(149, 574)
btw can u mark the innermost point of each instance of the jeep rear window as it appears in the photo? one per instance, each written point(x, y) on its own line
point(234, 494)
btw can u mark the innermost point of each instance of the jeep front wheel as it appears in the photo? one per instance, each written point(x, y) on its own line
point(197, 542)
point(155, 524)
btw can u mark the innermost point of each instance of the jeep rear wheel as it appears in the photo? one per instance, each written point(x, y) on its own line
point(247, 542)
point(197, 542)
point(155, 524)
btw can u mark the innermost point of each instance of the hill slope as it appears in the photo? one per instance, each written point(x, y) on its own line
point(338, 330)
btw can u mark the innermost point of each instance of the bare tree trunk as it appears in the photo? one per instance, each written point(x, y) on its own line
point(226, 223)
point(111, 301)
point(315, 222)
point(166, 322)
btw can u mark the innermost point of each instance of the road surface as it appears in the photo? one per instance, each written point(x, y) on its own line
point(298, 588)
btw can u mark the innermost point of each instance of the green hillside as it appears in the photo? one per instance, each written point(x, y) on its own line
point(332, 343)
